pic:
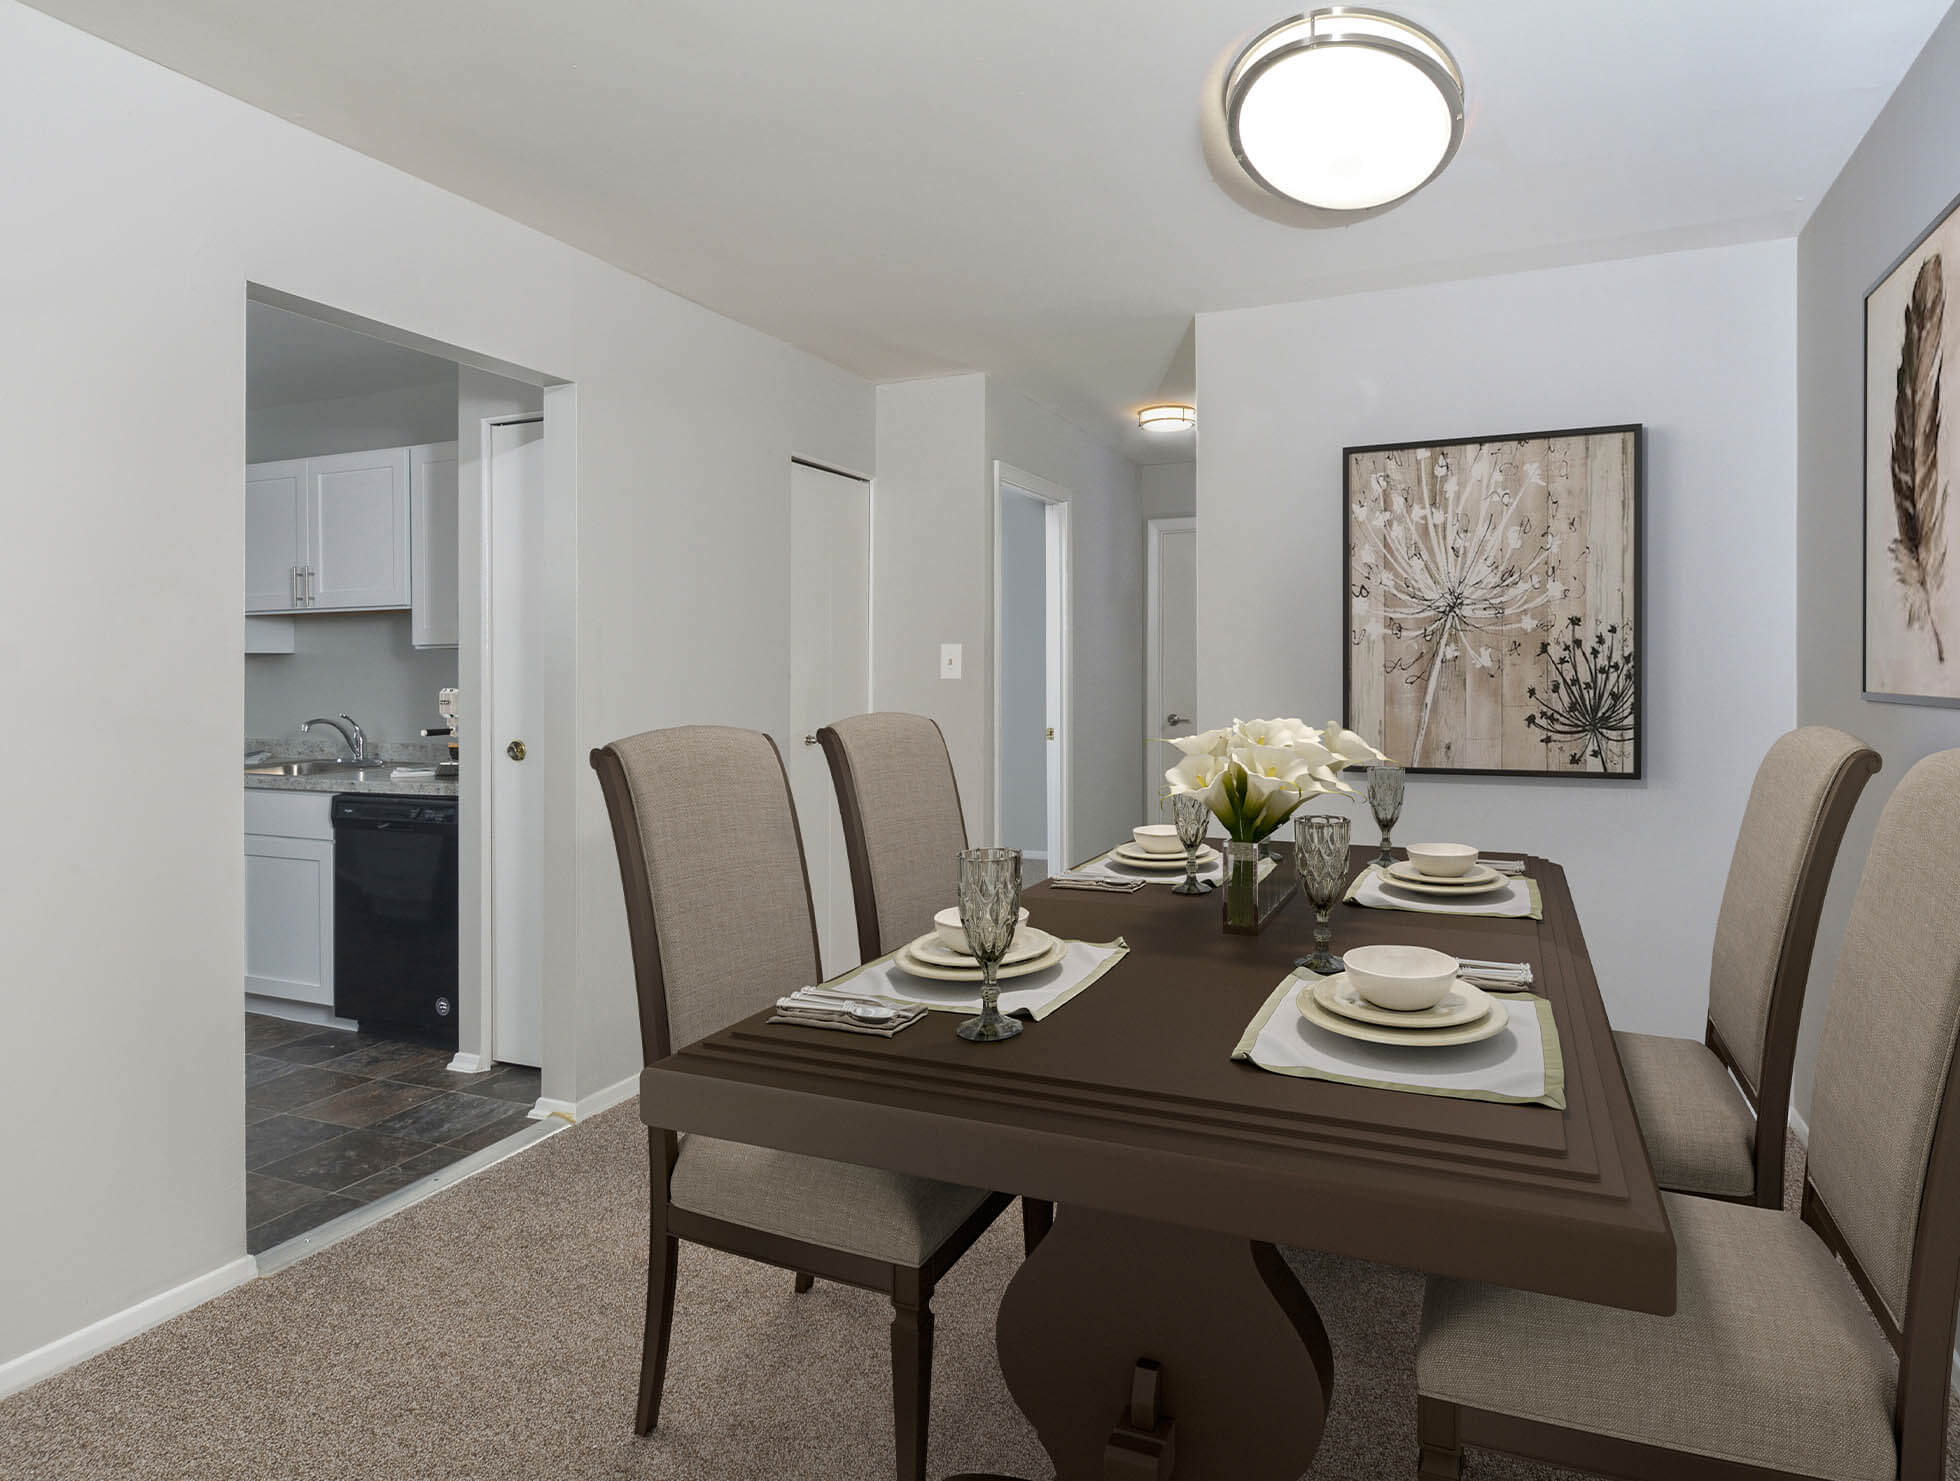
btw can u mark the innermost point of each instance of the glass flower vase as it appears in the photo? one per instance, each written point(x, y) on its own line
point(1241, 886)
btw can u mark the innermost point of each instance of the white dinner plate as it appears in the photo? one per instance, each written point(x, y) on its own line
point(1029, 942)
point(1462, 1004)
point(1425, 888)
point(1415, 1038)
point(1136, 858)
point(932, 973)
point(1479, 877)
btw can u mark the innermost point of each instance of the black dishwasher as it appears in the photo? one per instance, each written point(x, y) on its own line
point(394, 915)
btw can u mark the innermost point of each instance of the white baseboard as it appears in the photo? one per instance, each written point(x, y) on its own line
point(64, 1352)
point(1800, 1126)
point(590, 1105)
point(468, 1064)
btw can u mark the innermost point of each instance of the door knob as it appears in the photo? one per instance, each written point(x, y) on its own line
point(1173, 718)
point(515, 750)
point(810, 740)
point(1051, 733)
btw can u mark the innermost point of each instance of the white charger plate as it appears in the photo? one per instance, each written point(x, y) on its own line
point(932, 973)
point(1464, 1003)
point(1136, 858)
point(1491, 1024)
point(1029, 942)
point(1473, 884)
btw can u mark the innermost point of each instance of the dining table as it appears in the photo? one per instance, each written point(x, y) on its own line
point(1156, 1331)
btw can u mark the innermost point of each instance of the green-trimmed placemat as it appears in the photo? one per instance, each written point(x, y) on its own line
point(1280, 1040)
point(1534, 899)
point(1034, 996)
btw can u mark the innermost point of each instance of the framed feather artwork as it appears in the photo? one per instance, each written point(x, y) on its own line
point(1491, 599)
point(1912, 592)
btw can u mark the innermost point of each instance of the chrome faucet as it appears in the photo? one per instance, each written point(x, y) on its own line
point(350, 732)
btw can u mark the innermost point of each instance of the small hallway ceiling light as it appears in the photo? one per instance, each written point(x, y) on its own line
point(1168, 417)
point(1343, 110)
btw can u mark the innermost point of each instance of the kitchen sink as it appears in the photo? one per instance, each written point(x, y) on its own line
point(311, 768)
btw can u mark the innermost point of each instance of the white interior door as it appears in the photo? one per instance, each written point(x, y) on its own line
point(515, 512)
point(1026, 690)
point(829, 677)
point(1171, 651)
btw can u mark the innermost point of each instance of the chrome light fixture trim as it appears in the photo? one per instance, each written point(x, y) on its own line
point(1330, 29)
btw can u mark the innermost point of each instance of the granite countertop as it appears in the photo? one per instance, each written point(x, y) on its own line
point(378, 776)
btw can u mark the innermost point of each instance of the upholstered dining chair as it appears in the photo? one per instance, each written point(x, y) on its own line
point(903, 831)
point(1771, 1365)
point(1703, 1136)
point(720, 928)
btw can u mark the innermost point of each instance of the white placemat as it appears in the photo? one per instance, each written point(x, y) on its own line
point(1034, 996)
point(1108, 866)
point(1521, 1065)
point(1518, 897)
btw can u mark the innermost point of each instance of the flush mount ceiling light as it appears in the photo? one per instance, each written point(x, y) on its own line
point(1343, 110)
point(1168, 417)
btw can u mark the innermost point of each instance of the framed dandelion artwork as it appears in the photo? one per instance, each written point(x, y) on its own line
point(1492, 602)
point(1912, 597)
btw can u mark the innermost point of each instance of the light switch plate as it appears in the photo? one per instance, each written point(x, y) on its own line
point(949, 660)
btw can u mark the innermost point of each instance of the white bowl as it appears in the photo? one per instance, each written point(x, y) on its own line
point(1403, 979)
point(952, 933)
point(1443, 860)
point(1157, 838)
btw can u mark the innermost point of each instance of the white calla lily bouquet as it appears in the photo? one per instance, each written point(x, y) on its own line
point(1254, 774)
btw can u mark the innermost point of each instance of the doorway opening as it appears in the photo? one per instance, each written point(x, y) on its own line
point(1031, 702)
point(1170, 650)
point(403, 526)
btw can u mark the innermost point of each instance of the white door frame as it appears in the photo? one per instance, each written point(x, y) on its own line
point(1058, 631)
point(1153, 689)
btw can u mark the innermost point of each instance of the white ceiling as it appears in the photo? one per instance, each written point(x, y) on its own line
point(910, 189)
point(290, 358)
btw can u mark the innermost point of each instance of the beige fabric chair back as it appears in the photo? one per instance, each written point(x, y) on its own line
point(717, 899)
point(1889, 1030)
point(1802, 797)
point(903, 828)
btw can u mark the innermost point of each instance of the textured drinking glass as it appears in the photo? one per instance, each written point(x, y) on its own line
point(1385, 783)
point(1193, 822)
point(990, 906)
point(1320, 851)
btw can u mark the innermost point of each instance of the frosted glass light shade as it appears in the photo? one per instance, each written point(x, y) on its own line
point(1169, 417)
point(1344, 110)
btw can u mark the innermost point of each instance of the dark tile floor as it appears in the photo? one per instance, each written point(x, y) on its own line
point(335, 1119)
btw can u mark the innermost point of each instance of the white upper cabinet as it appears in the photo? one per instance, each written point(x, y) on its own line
point(275, 535)
point(435, 621)
point(357, 524)
point(332, 534)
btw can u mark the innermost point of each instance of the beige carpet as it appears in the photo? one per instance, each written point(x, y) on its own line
point(493, 1331)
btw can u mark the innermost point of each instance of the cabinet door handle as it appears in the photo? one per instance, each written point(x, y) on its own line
point(310, 597)
point(292, 577)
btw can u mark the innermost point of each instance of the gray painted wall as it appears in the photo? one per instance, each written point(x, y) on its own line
point(356, 663)
point(1894, 186)
point(1023, 672)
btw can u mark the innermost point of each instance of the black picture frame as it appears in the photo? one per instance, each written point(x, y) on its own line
point(1638, 493)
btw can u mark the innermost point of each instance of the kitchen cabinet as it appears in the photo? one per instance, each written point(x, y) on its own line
point(328, 534)
point(289, 895)
point(434, 618)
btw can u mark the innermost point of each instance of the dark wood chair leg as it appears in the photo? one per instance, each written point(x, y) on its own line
point(662, 1261)
point(1441, 1455)
point(911, 1372)
point(1037, 1217)
point(804, 1280)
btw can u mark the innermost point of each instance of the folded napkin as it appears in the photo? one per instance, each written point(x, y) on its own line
point(1519, 1065)
point(1109, 867)
point(1376, 891)
point(809, 1010)
point(1034, 996)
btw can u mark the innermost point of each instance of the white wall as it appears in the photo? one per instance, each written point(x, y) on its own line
point(1023, 673)
point(1167, 490)
point(138, 207)
point(1700, 347)
point(1106, 608)
point(404, 416)
point(1899, 181)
